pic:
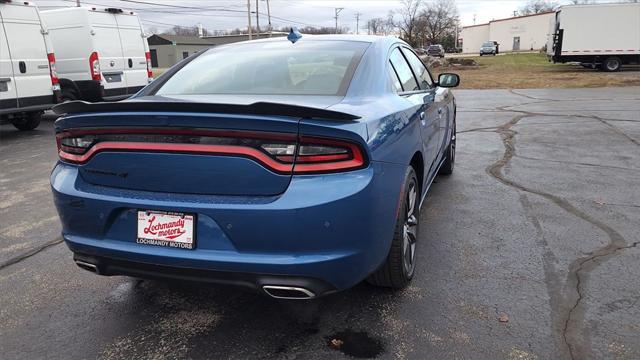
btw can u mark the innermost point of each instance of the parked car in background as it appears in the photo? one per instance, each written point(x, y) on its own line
point(420, 51)
point(294, 169)
point(435, 51)
point(598, 36)
point(102, 53)
point(28, 80)
point(489, 48)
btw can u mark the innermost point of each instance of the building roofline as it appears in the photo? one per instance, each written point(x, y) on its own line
point(511, 18)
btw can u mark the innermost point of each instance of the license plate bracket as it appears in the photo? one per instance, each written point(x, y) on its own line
point(166, 229)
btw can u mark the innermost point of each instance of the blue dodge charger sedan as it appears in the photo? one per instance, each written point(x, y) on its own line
point(296, 168)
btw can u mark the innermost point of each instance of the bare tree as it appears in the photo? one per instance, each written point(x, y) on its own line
point(375, 26)
point(185, 31)
point(537, 7)
point(390, 24)
point(437, 22)
point(408, 24)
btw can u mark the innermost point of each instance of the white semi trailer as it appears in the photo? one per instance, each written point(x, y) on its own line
point(599, 36)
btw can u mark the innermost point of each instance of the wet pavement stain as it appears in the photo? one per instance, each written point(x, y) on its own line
point(357, 344)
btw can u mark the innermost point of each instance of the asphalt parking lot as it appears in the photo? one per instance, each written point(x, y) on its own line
point(530, 250)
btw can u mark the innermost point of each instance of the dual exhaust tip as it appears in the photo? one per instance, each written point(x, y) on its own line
point(275, 291)
point(288, 292)
point(87, 266)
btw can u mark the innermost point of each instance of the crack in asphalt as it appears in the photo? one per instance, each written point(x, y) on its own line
point(617, 130)
point(566, 100)
point(577, 163)
point(579, 267)
point(29, 253)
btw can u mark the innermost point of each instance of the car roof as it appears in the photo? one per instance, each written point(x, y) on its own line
point(336, 37)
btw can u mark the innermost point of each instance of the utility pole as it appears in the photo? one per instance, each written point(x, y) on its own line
point(357, 22)
point(337, 11)
point(78, 3)
point(257, 20)
point(474, 19)
point(269, 18)
point(249, 16)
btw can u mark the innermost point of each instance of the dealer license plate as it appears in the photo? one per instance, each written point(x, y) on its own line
point(166, 229)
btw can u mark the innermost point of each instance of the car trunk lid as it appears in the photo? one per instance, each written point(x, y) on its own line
point(184, 147)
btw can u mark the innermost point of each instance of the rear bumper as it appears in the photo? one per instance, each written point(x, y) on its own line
point(93, 90)
point(335, 228)
point(256, 282)
point(29, 104)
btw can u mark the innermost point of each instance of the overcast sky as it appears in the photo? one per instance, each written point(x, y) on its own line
point(231, 14)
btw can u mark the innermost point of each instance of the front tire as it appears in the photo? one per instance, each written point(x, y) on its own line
point(29, 122)
point(450, 156)
point(399, 267)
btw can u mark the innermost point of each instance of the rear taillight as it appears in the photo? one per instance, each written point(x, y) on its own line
point(147, 55)
point(280, 153)
point(94, 66)
point(314, 155)
point(53, 72)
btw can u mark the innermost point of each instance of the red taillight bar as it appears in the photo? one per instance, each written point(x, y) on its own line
point(228, 150)
point(348, 156)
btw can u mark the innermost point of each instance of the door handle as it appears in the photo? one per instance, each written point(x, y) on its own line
point(22, 66)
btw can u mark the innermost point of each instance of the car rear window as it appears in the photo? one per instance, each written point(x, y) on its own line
point(488, 44)
point(279, 68)
point(434, 47)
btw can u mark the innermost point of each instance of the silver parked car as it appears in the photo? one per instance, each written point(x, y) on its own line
point(435, 50)
point(489, 48)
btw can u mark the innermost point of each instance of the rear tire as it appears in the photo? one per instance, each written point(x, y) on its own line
point(29, 122)
point(450, 155)
point(399, 267)
point(612, 64)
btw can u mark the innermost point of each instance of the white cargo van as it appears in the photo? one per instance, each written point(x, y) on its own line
point(102, 54)
point(28, 82)
point(600, 36)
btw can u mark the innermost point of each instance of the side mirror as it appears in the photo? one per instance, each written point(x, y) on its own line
point(448, 80)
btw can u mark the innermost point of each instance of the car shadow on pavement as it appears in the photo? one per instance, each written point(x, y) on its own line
point(210, 321)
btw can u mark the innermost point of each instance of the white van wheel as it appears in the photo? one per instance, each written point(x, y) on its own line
point(29, 122)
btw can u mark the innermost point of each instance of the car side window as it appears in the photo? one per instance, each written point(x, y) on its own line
point(405, 74)
point(420, 70)
point(393, 77)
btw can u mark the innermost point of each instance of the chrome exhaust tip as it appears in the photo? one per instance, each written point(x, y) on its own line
point(87, 266)
point(288, 292)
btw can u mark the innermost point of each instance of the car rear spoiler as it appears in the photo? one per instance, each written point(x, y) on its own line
point(258, 108)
